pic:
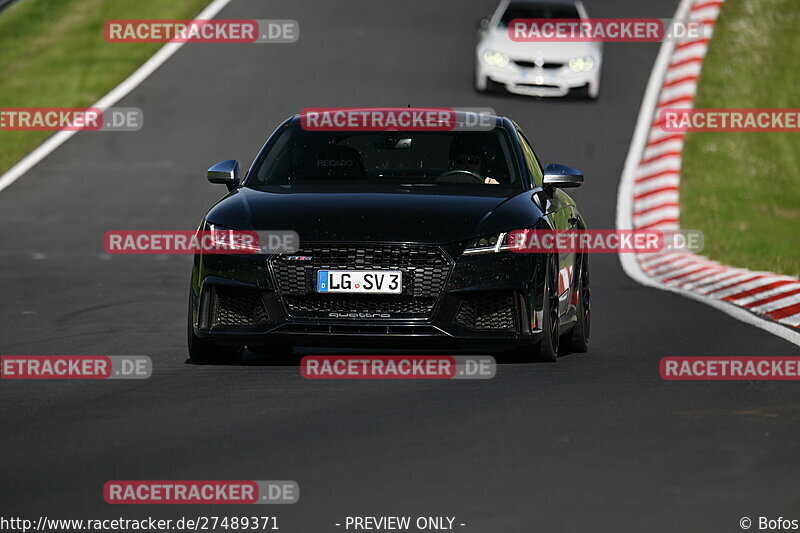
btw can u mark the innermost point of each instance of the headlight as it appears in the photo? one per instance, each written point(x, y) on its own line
point(487, 245)
point(229, 239)
point(498, 59)
point(581, 64)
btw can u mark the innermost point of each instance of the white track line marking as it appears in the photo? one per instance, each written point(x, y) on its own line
point(114, 96)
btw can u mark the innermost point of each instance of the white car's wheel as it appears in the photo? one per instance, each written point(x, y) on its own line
point(481, 82)
point(594, 90)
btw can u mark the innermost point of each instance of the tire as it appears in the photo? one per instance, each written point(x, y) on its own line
point(583, 93)
point(490, 87)
point(579, 341)
point(207, 352)
point(548, 347)
point(481, 84)
point(546, 350)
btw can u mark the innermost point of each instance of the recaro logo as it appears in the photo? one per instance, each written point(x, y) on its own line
point(334, 162)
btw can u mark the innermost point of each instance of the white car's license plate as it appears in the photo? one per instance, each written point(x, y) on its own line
point(360, 281)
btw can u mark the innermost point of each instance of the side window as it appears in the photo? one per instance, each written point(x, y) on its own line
point(530, 160)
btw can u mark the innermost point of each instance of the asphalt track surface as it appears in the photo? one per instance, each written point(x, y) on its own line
point(595, 442)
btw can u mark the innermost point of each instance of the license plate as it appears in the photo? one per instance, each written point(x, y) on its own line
point(360, 281)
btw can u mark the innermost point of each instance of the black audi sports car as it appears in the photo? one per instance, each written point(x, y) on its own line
point(403, 242)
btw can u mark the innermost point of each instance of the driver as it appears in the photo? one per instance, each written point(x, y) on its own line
point(466, 155)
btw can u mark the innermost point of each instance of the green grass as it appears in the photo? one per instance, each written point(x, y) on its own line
point(54, 54)
point(743, 189)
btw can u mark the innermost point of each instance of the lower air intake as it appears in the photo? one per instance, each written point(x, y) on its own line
point(237, 308)
point(488, 312)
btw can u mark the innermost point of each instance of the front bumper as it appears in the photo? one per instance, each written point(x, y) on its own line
point(484, 299)
point(551, 82)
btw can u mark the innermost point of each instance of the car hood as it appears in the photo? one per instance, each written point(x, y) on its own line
point(384, 217)
point(499, 41)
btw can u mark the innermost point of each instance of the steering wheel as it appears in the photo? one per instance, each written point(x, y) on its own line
point(456, 172)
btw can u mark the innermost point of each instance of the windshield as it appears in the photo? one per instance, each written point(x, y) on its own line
point(355, 161)
point(537, 10)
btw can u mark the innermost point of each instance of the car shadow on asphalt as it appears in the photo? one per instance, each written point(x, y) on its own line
point(569, 98)
point(264, 358)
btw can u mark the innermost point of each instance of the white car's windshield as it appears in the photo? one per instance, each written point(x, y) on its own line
point(537, 10)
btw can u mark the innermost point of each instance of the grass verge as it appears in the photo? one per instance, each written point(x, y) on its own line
point(743, 189)
point(54, 54)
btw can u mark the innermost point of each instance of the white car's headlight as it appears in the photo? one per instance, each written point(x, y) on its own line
point(581, 64)
point(487, 245)
point(498, 59)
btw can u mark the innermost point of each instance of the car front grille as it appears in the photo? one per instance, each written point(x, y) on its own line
point(531, 64)
point(425, 270)
point(537, 85)
point(231, 307)
point(488, 312)
point(396, 305)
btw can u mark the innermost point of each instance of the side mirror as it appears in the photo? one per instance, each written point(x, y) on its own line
point(561, 176)
point(226, 173)
point(483, 25)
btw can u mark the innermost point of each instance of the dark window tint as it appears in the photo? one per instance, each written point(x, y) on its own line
point(536, 10)
point(360, 160)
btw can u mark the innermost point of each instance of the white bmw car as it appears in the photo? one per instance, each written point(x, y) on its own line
point(536, 68)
